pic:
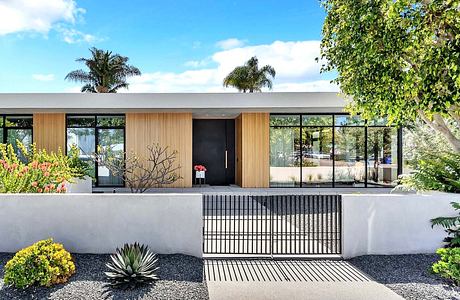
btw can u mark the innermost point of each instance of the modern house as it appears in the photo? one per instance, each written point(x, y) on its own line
point(251, 140)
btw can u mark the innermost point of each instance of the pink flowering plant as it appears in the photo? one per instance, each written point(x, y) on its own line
point(41, 173)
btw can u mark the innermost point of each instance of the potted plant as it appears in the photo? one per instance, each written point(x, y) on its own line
point(200, 173)
point(82, 181)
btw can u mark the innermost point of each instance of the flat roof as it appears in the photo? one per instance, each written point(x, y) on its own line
point(200, 104)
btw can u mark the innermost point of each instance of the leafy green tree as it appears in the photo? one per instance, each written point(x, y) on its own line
point(107, 72)
point(249, 78)
point(398, 58)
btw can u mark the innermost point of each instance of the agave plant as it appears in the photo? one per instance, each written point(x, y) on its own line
point(132, 265)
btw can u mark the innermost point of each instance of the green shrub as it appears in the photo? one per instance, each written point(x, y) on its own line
point(449, 265)
point(44, 263)
point(435, 171)
point(452, 226)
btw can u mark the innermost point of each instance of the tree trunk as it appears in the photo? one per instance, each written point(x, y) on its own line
point(438, 124)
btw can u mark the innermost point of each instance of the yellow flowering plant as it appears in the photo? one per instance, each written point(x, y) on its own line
point(38, 172)
point(44, 263)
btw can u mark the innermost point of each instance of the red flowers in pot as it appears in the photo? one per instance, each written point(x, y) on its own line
point(199, 168)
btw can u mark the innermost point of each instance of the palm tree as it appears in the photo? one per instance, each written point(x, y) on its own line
point(107, 72)
point(249, 78)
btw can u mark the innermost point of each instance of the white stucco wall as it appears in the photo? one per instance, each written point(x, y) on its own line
point(393, 223)
point(98, 223)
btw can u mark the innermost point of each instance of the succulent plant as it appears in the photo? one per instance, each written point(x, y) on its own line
point(132, 265)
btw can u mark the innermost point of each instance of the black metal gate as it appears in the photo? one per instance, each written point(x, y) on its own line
point(272, 225)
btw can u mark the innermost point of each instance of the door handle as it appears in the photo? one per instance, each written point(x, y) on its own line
point(226, 160)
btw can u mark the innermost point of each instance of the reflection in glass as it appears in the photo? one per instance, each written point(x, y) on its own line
point(285, 156)
point(382, 155)
point(110, 121)
point(317, 156)
point(81, 121)
point(285, 120)
point(113, 139)
point(22, 135)
point(347, 120)
point(317, 120)
point(349, 156)
point(19, 121)
point(85, 140)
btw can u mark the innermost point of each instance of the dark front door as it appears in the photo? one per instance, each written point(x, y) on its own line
point(214, 148)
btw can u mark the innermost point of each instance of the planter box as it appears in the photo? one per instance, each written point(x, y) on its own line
point(80, 186)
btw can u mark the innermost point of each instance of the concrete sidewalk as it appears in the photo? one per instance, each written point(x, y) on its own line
point(267, 279)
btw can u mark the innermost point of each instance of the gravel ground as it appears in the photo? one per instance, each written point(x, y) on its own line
point(407, 275)
point(181, 277)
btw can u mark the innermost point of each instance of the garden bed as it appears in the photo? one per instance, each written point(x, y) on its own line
point(407, 275)
point(181, 277)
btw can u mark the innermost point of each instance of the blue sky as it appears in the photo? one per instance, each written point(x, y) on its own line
point(180, 46)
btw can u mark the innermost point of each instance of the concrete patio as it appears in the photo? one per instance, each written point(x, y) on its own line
point(313, 280)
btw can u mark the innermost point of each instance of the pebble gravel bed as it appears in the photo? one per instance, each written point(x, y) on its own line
point(408, 275)
point(181, 277)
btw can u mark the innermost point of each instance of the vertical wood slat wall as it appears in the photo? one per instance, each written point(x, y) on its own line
point(168, 129)
point(253, 150)
point(49, 131)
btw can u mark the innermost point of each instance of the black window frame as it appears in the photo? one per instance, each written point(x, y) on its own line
point(96, 128)
point(5, 127)
point(334, 126)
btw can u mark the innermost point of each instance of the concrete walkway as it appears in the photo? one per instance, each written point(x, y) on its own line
point(267, 279)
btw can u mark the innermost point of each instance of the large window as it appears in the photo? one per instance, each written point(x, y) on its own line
point(91, 132)
point(16, 128)
point(331, 150)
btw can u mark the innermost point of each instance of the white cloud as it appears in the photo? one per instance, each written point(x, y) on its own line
point(230, 44)
point(72, 36)
point(19, 16)
point(294, 62)
point(43, 77)
point(38, 16)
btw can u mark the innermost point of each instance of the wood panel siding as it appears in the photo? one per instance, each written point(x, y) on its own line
point(253, 147)
point(168, 129)
point(49, 131)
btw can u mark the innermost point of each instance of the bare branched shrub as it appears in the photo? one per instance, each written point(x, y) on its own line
point(157, 169)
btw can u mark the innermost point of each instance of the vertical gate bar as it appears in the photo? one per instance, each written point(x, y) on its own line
point(253, 241)
point(238, 232)
point(232, 223)
point(328, 245)
point(323, 228)
point(285, 225)
point(337, 212)
point(309, 197)
point(303, 224)
point(220, 224)
point(290, 224)
point(318, 224)
point(205, 237)
point(340, 223)
point(267, 240)
point(210, 211)
point(247, 198)
point(296, 200)
point(277, 230)
point(312, 223)
point(225, 226)
point(257, 242)
point(269, 222)
point(242, 225)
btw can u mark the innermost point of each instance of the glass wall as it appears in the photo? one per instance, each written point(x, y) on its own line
point(16, 128)
point(334, 150)
point(92, 132)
